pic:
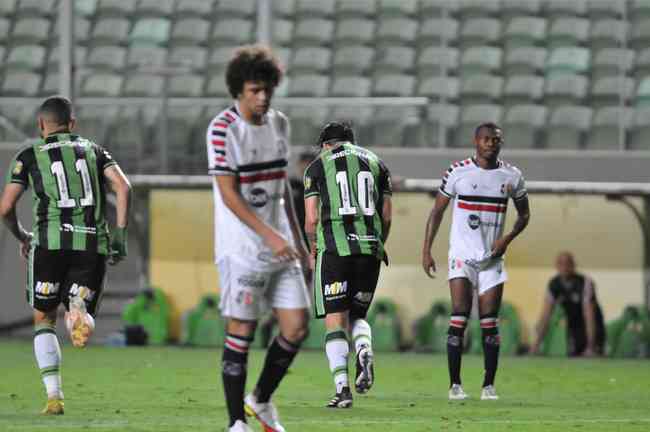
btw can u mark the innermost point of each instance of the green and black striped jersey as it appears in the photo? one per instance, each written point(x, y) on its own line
point(351, 183)
point(66, 174)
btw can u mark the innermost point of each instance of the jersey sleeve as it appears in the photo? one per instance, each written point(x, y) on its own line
point(385, 182)
point(552, 293)
point(220, 146)
point(448, 183)
point(104, 158)
point(18, 170)
point(311, 179)
point(519, 188)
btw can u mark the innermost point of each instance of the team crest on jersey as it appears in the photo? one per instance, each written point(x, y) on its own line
point(18, 168)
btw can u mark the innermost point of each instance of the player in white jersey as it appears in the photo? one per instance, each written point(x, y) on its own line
point(480, 188)
point(258, 245)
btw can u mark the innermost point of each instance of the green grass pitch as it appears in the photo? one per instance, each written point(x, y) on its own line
point(176, 389)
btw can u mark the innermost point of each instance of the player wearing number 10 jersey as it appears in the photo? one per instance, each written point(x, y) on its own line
point(68, 250)
point(347, 219)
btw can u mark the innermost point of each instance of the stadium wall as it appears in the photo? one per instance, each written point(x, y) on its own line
point(603, 235)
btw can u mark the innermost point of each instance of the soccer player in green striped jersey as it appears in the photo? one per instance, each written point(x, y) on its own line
point(347, 220)
point(70, 245)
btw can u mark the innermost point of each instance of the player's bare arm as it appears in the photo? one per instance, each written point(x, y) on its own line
point(433, 224)
point(523, 217)
point(311, 223)
point(589, 312)
point(232, 198)
point(293, 221)
point(386, 217)
point(10, 197)
point(121, 186)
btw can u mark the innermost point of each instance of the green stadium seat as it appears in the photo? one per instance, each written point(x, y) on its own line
point(393, 84)
point(642, 97)
point(639, 9)
point(642, 64)
point(480, 88)
point(81, 30)
point(612, 62)
point(116, 8)
point(525, 124)
point(598, 9)
point(356, 8)
point(26, 57)
point(102, 84)
point(478, 8)
point(609, 33)
point(568, 60)
point(562, 8)
point(190, 32)
point(386, 331)
point(193, 8)
point(525, 31)
point(220, 57)
point(236, 8)
point(319, 8)
point(509, 331)
point(5, 25)
point(629, 335)
point(157, 8)
point(305, 85)
point(152, 312)
point(216, 87)
point(435, 8)
point(555, 340)
point(314, 31)
point(432, 59)
point(284, 8)
point(189, 56)
point(565, 89)
point(306, 121)
point(568, 127)
point(110, 31)
point(154, 31)
point(354, 31)
point(480, 60)
point(436, 87)
point(143, 85)
point(234, 31)
point(79, 56)
point(140, 56)
point(391, 123)
point(311, 60)
point(203, 325)
point(511, 9)
point(522, 89)
point(640, 133)
point(394, 59)
point(471, 116)
point(524, 60)
point(431, 329)
point(353, 60)
point(31, 8)
point(397, 31)
point(21, 84)
point(85, 8)
point(438, 116)
point(31, 30)
point(434, 30)
point(185, 86)
point(395, 9)
point(568, 32)
point(282, 31)
point(480, 31)
point(609, 90)
point(350, 86)
point(604, 132)
point(8, 7)
point(640, 34)
point(107, 58)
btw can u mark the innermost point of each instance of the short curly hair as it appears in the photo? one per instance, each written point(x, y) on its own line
point(252, 63)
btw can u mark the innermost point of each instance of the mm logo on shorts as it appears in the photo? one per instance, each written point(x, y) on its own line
point(336, 288)
point(82, 292)
point(46, 288)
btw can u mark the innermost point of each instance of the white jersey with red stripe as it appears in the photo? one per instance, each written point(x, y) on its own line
point(258, 156)
point(480, 202)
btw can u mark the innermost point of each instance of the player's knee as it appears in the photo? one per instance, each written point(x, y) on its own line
point(297, 335)
point(457, 325)
point(490, 330)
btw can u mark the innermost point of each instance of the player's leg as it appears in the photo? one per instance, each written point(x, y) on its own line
point(241, 294)
point(364, 283)
point(337, 349)
point(461, 306)
point(43, 293)
point(287, 294)
point(489, 304)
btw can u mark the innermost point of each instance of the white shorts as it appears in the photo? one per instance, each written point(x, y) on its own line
point(247, 294)
point(483, 277)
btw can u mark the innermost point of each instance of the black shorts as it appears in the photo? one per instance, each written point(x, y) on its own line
point(344, 283)
point(56, 275)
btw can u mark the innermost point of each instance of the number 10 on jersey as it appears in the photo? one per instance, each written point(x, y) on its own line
point(365, 192)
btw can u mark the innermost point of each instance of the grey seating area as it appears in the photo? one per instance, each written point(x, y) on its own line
point(558, 74)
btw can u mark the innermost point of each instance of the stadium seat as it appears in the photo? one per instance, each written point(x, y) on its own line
point(478, 8)
point(392, 31)
point(25, 57)
point(282, 32)
point(193, 57)
point(610, 62)
point(309, 85)
point(85, 8)
point(523, 125)
point(216, 87)
point(315, 8)
point(31, 30)
point(470, 117)
point(283, 8)
point(31, 8)
point(151, 31)
point(311, 60)
point(94, 121)
point(567, 127)
point(8, 7)
point(360, 117)
point(355, 59)
point(392, 8)
point(356, 8)
point(50, 84)
point(561, 8)
point(350, 86)
point(480, 31)
point(390, 126)
point(642, 66)
point(150, 310)
point(523, 89)
point(203, 325)
point(2, 53)
point(102, 84)
point(284, 54)
point(395, 59)
point(193, 8)
point(354, 31)
point(190, 32)
point(235, 9)
point(609, 90)
point(555, 340)
point(598, 9)
point(186, 127)
point(111, 58)
point(306, 122)
point(438, 128)
point(515, 8)
point(434, 30)
point(639, 9)
point(155, 8)
point(480, 60)
point(480, 88)
point(435, 8)
point(81, 30)
point(21, 84)
point(629, 335)
point(604, 132)
point(431, 329)
point(432, 59)
point(640, 34)
point(120, 8)
point(220, 57)
point(525, 31)
point(568, 60)
point(510, 329)
point(609, 33)
point(110, 31)
point(436, 87)
point(642, 97)
point(144, 56)
point(393, 85)
point(5, 27)
point(313, 32)
point(384, 321)
point(55, 55)
point(232, 32)
point(568, 32)
point(135, 139)
point(143, 85)
point(640, 132)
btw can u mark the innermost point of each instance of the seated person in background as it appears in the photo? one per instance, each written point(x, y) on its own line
point(577, 295)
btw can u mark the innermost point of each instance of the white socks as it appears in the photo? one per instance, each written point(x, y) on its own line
point(48, 358)
point(361, 335)
point(337, 350)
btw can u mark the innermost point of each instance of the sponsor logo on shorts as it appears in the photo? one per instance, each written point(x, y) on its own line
point(46, 289)
point(245, 297)
point(83, 292)
point(456, 264)
point(248, 281)
point(336, 288)
point(363, 297)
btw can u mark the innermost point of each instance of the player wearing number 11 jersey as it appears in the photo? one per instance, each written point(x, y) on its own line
point(347, 219)
point(69, 246)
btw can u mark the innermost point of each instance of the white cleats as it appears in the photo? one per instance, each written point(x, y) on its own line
point(489, 393)
point(240, 426)
point(456, 392)
point(265, 413)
